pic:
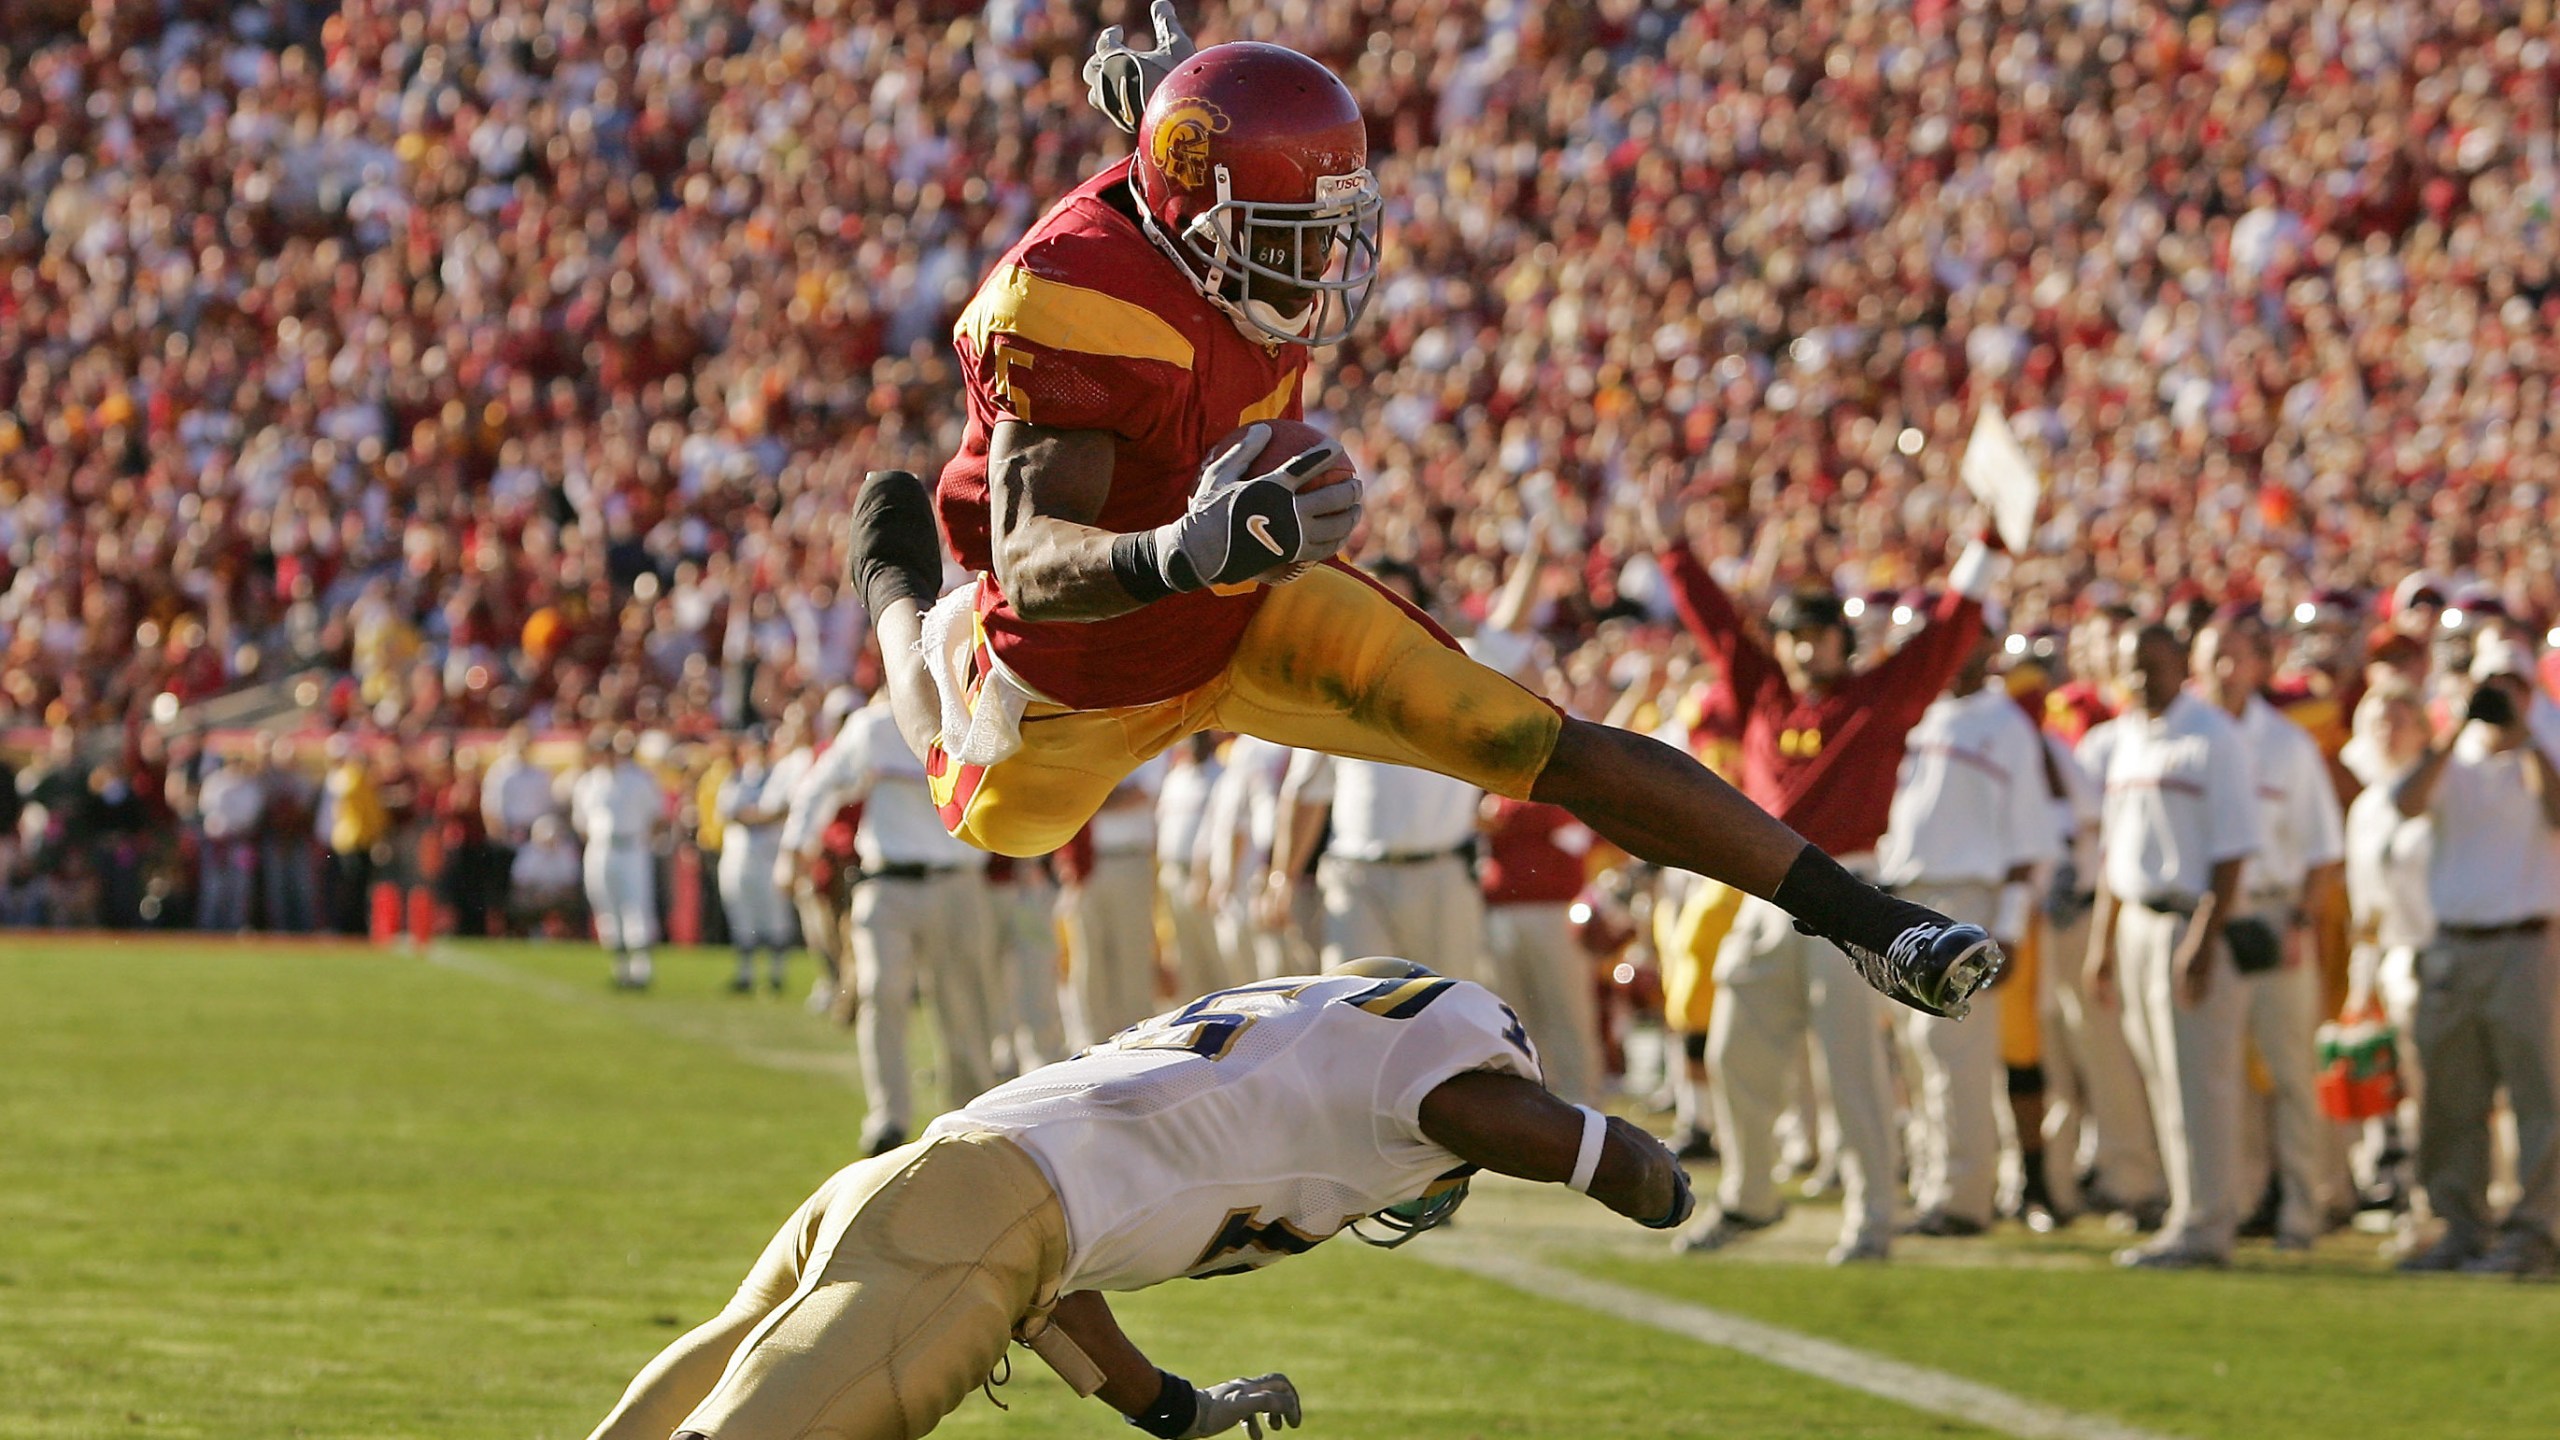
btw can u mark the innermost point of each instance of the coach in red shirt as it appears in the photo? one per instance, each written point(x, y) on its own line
point(1821, 745)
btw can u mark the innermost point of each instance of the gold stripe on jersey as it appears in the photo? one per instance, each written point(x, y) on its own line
point(1274, 405)
point(1401, 999)
point(1067, 317)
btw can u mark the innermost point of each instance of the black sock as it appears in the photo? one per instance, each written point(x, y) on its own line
point(883, 586)
point(896, 550)
point(1828, 901)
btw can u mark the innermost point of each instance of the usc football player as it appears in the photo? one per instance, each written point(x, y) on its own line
point(1130, 593)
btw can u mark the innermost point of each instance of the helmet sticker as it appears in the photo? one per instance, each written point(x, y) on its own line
point(1180, 144)
point(1334, 189)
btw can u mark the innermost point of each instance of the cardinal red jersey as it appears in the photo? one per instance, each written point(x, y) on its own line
point(1086, 325)
point(1826, 764)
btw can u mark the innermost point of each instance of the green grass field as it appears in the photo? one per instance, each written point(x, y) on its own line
point(305, 1191)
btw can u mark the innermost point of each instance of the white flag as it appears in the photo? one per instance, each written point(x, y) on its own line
point(1999, 475)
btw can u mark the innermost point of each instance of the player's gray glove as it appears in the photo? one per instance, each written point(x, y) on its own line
point(1118, 80)
point(1241, 529)
point(1265, 1400)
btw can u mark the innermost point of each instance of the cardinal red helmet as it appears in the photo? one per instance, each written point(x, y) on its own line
point(1253, 171)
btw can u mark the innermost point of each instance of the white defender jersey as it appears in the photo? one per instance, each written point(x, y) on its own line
point(1250, 1124)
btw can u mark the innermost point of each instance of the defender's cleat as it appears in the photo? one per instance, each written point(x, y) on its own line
point(1935, 967)
point(894, 551)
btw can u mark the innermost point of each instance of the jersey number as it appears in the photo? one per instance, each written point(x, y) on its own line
point(1207, 1027)
point(1241, 1233)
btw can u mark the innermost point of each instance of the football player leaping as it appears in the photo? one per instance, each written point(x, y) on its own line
point(1245, 1127)
point(1123, 603)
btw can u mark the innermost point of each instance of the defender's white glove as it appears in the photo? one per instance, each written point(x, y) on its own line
point(1240, 529)
point(1118, 80)
point(1265, 1400)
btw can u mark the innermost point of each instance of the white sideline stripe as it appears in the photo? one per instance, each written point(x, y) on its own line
point(839, 1064)
point(1914, 1386)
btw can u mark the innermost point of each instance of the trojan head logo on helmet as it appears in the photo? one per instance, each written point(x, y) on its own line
point(1253, 174)
point(1180, 142)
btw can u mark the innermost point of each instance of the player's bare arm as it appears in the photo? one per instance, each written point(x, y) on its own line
point(1044, 488)
point(1160, 1402)
point(1518, 1127)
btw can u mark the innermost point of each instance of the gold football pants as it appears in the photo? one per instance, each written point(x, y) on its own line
point(879, 1306)
point(1333, 662)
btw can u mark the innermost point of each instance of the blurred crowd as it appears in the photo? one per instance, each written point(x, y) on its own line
point(513, 362)
point(506, 364)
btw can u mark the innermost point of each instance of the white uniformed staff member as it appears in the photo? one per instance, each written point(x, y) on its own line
point(1243, 821)
point(1110, 911)
point(1533, 872)
point(2486, 984)
point(1394, 877)
point(2390, 913)
point(819, 903)
point(1182, 810)
point(2300, 860)
point(2095, 1107)
point(514, 791)
point(922, 902)
point(1248, 1126)
point(617, 805)
point(1971, 822)
point(752, 806)
point(2180, 819)
point(1030, 1027)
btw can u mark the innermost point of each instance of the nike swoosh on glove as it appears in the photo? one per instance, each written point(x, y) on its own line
point(1118, 80)
point(1240, 530)
point(1264, 1400)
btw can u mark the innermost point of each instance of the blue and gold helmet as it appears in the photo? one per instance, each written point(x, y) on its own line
point(1429, 1210)
point(1383, 967)
point(1435, 1205)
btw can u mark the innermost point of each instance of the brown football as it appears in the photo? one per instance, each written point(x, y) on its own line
point(1288, 438)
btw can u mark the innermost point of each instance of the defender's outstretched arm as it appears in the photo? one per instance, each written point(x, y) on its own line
point(1519, 1127)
